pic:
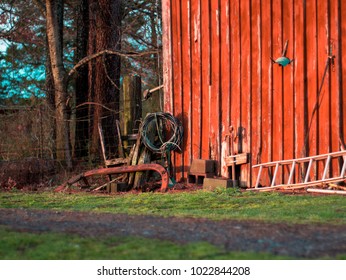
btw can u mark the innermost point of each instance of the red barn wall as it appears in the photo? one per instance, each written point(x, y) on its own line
point(218, 73)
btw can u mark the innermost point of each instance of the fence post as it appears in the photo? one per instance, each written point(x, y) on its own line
point(131, 104)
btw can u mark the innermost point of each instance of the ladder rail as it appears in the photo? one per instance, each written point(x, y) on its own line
point(302, 160)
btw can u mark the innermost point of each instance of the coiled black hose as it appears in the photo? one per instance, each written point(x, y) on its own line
point(161, 132)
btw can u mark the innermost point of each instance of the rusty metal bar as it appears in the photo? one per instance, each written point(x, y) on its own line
point(123, 169)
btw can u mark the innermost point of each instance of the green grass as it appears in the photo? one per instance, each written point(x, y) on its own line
point(217, 205)
point(221, 204)
point(52, 246)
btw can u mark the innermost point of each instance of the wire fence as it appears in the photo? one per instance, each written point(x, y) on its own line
point(29, 131)
point(26, 131)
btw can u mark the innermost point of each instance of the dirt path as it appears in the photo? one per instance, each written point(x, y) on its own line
point(303, 241)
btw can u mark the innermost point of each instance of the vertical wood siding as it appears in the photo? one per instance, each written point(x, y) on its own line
point(218, 73)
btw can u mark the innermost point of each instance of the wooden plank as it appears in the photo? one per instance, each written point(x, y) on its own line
point(265, 154)
point(225, 83)
point(342, 67)
point(278, 72)
point(235, 67)
point(256, 80)
point(323, 76)
point(300, 83)
point(214, 97)
point(196, 78)
point(335, 81)
point(244, 133)
point(288, 86)
point(186, 70)
point(167, 55)
point(311, 68)
point(177, 95)
point(206, 72)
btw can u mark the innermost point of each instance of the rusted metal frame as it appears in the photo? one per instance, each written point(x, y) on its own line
point(123, 169)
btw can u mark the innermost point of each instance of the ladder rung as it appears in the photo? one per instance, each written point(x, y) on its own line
point(258, 176)
point(308, 171)
point(326, 168)
point(291, 173)
point(275, 172)
point(343, 170)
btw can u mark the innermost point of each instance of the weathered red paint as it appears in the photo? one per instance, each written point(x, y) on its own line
point(225, 83)
point(205, 81)
point(222, 75)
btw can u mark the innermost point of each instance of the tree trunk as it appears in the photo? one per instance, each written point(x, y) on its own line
point(82, 113)
point(54, 16)
point(106, 16)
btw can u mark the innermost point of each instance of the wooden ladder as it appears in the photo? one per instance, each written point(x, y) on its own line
point(305, 181)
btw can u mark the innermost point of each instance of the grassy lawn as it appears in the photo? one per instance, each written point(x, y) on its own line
point(222, 204)
point(50, 246)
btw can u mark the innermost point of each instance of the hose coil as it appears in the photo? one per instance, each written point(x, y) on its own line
point(161, 132)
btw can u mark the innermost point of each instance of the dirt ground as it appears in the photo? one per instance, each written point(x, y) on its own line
point(298, 241)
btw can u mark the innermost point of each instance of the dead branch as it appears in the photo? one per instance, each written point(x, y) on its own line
point(41, 6)
point(118, 53)
point(107, 75)
point(97, 104)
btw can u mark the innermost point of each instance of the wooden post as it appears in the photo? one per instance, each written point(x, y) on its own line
point(131, 104)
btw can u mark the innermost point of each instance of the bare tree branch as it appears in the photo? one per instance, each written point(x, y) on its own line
point(41, 6)
point(96, 55)
point(96, 104)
